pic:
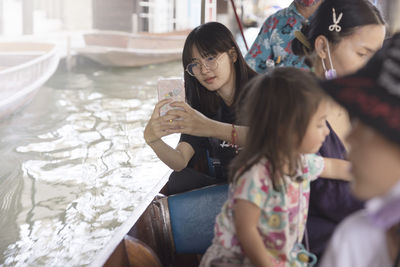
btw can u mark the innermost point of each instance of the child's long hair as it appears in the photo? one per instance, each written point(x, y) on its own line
point(277, 108)
point(210, 39)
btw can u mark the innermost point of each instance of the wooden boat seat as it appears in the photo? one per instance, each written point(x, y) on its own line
point(132, 252)
point(139, 254)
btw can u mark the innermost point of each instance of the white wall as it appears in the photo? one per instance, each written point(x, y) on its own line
point(77, 14)
point(12, 18)
point(188, 14)
point(48, 16)
point(161, 14)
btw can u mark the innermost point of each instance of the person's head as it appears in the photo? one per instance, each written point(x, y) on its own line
point(372, 98)
point(340, 37)
point(307, 7)
point(307, 3)
point(214, 67)
point(286, 114)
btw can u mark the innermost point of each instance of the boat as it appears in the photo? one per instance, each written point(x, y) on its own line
point(122, 49)
point(24, 68)
point(172, 231)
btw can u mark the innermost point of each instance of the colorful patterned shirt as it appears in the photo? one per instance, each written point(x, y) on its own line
point(274, 41)
point(280, 225)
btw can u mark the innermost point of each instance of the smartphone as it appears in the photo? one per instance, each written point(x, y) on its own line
point(170, 88)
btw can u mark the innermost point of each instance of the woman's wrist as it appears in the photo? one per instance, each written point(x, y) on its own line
point(150, 142)
point(208, 127)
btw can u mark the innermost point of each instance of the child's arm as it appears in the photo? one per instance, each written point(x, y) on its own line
point(336, 169)
point(176, 159)
point(246, 220)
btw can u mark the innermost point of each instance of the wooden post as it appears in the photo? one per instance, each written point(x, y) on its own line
point(203, 11)
point(394, 19)
point(208, 11)
point(27, 17)
point(113, 15)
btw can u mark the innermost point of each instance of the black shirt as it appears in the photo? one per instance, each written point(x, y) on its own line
point(219, 152)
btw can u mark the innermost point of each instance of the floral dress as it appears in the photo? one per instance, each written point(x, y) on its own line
point(283, 213)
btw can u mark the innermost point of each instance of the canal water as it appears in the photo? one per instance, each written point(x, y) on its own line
point(74, 164)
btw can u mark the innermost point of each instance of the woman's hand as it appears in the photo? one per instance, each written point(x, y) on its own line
point(157, 126)
point(190, 121)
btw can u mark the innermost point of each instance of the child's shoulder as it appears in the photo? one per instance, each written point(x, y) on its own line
point(313, 165)
point(311, 158)
point(258, 169)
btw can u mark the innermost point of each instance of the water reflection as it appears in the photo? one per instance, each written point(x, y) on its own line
point(75, 165)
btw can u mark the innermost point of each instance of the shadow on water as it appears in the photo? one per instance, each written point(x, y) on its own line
point(74, 163)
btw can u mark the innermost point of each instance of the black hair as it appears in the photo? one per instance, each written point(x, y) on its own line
point(210, 39)
point(356, 13)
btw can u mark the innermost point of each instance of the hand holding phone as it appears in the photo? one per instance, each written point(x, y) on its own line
point(170, 88)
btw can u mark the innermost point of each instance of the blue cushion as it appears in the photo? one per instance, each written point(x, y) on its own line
point(193, 215)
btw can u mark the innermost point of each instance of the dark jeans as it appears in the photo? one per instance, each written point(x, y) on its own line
point(189, 179)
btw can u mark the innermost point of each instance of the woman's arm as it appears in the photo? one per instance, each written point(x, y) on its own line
point(337, 169)
point(246, 216)
point(176, 159)
point(194, 123)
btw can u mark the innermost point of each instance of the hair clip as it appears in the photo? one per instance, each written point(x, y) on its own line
point(335, 26)
point(303, 39)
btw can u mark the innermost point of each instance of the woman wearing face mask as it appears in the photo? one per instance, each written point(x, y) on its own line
point(339, 39)
point(272, 45)
point(371, 237)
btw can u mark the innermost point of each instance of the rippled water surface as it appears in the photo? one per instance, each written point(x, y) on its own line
point(74, 164)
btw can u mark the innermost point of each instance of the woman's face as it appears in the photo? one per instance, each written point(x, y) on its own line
point(355, 50)
point(220, 78)
point(375, 162)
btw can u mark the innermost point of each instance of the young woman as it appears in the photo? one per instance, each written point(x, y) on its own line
point(262, 222)
point(215, 73)
point(371, 237)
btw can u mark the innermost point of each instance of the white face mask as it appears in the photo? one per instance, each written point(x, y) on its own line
point(331, 73)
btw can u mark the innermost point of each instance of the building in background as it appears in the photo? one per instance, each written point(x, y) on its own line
point(19, 17)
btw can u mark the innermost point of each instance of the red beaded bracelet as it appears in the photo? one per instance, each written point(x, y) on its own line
point(234, 138)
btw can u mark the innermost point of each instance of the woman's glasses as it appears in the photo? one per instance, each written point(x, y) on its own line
point(210, 63)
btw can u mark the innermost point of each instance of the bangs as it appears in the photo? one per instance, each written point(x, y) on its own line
point(207, 48)
point(212, 42)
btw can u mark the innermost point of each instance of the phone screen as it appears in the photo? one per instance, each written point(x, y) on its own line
point(170, 88)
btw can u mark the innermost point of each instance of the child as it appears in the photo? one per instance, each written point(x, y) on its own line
point(262, 222)
point(371, 237)
point(215, 73)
